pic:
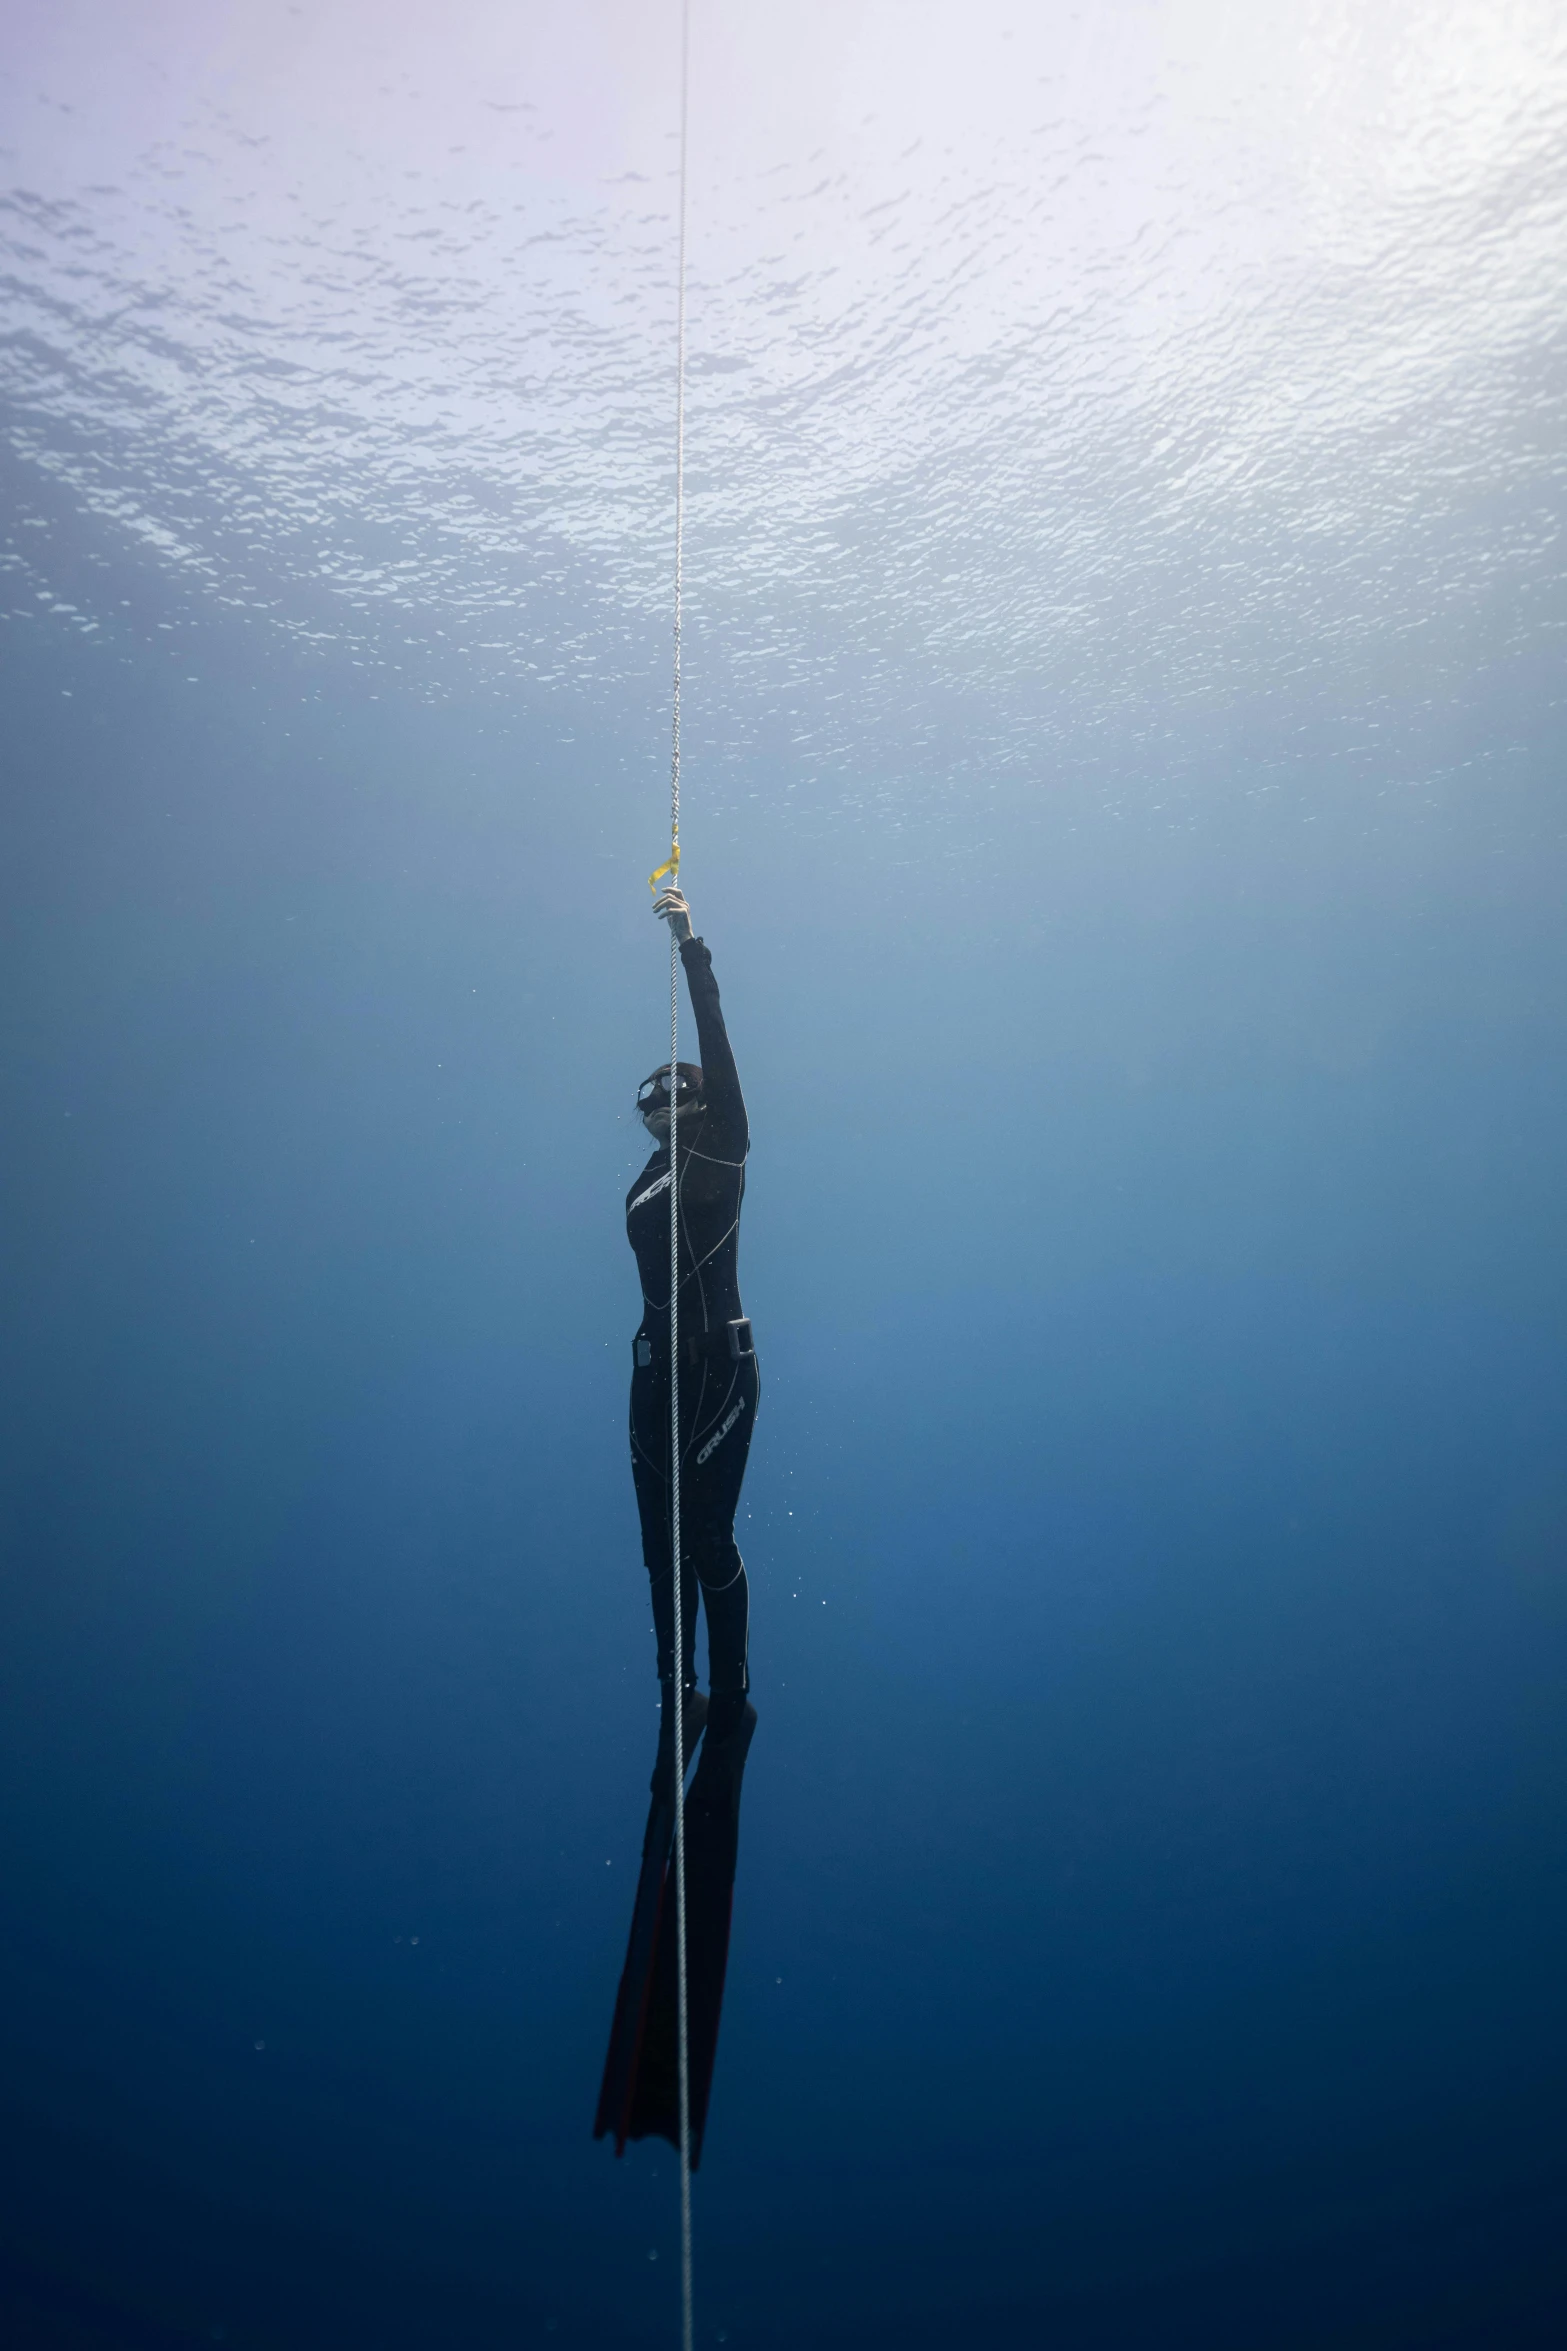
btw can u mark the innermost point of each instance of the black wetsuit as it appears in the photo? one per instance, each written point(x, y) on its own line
point(718, 1379)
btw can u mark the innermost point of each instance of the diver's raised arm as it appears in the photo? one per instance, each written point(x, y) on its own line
point(727, 1132)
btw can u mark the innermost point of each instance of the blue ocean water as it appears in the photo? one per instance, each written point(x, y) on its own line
point(1124, 758)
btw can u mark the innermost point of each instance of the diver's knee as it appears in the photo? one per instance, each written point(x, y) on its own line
point(718, 1564)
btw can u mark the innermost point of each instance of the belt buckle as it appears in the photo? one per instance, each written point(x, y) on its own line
point(741, 1344)
point(642, 1353)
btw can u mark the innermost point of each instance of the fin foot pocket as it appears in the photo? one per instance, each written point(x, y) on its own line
point(694, 1709)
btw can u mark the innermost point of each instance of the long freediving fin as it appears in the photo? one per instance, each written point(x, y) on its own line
point(712, 1853)
point(634, 1999)
point(636, 1979)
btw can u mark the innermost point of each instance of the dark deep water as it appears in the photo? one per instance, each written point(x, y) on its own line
point(1151, 1925)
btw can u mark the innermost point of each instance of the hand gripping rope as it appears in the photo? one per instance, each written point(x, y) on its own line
point(672, 868)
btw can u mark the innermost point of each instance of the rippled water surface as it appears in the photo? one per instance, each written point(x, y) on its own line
point(1124, 799)
point(1048, 366)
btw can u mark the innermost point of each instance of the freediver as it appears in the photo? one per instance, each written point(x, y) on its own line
point(719, 1385)
point(719, 1389)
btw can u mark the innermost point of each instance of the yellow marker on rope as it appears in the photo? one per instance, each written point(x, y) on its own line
point(671, 866)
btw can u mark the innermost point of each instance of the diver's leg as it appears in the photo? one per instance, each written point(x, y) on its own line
point(708, 1536)
point(649, 1457)
point(650, 1476)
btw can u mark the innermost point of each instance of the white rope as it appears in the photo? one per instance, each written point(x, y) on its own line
point(686, 2298)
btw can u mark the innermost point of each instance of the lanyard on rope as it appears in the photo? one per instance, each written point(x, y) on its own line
point(671, 867)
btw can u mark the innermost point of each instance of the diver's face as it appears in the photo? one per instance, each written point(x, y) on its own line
point(657, 1121)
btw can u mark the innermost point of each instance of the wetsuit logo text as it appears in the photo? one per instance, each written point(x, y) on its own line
point(718, 1437)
